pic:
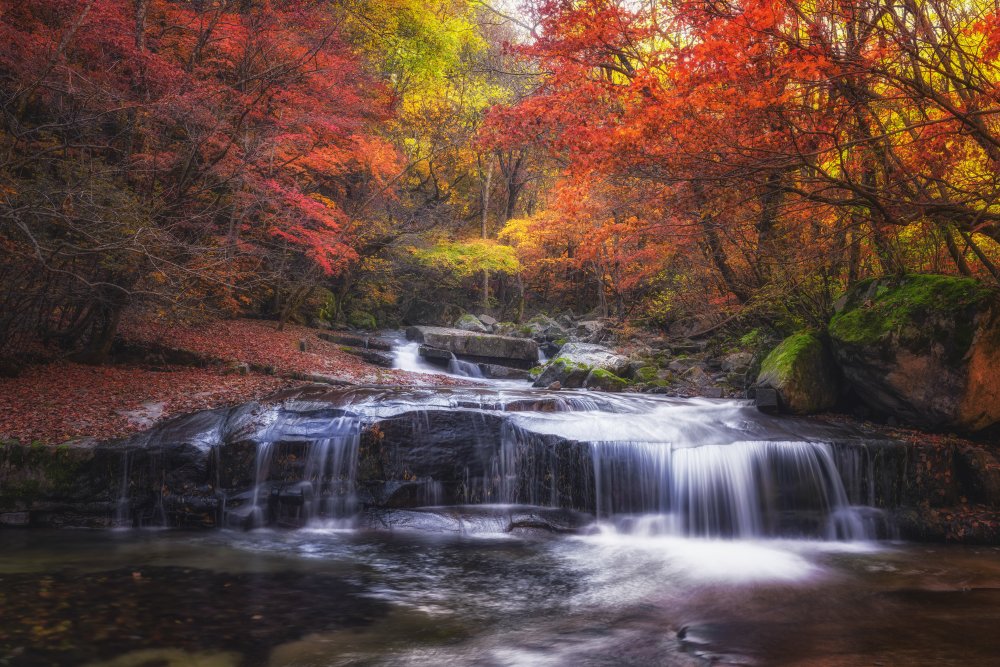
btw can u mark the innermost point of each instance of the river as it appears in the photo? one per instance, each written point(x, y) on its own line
point(545, 528)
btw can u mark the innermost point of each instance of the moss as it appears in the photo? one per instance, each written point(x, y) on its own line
point(799, 369)
point(535, 372)
point(560, 341)
point(647, 374)
point(602, 379)
point(875, 309)
point(568, 365)
point(359, 319)
point(781, 361)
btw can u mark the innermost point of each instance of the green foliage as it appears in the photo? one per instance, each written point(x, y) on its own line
point(874, 309)
point(464, 259)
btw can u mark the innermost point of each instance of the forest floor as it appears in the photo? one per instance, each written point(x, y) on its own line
point(219, 363)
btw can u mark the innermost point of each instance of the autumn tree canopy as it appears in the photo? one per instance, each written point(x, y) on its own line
point(388, 160)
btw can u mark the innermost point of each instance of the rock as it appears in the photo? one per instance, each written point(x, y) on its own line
point(303, 345)
point(737, 362)
point(488, 320)
point(591, 331)
point(544, 328)
point(802, 373)
point(925, 349)
point(697, 376)
point(469, 322)
point(352, 340)
point(374, 357)
point(549, 349)
point(766, 399)
point(498, 372)
point(435, 355)
point(575, 362)
point(712, 392)
point(645, 374)
point(603, 380)
point(360, 319)
point(479, 348)
point(683, 365)
point(555, 386)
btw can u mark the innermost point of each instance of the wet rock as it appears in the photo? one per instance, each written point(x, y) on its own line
point(498, 372)
point(435, 355)
point(575, 363)
point(602, 380)
point(924, 349)
point(352, 340)
point(373, 357)
point(479, 520)
point(484, 348)
point(802, 373)
point(488, 321)
point(469, 322)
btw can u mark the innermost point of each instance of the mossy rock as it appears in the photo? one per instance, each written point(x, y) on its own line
point(360, 319)
point(800, 369)
point(646, 374)
point(918, 311)
point(603, 380)
point(924, 349)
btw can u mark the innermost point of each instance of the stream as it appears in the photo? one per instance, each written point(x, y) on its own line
point(499, 526)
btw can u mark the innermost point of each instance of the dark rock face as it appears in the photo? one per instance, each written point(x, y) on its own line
point(478, 347)
point(925, 350)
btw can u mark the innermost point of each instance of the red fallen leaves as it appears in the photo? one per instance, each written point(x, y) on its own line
point(61, 401)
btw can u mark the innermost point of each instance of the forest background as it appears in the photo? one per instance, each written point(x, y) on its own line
point(671, 164)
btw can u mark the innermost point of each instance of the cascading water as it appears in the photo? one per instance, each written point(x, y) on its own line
point(636, 463)
point(742, 490)
point(464, 368)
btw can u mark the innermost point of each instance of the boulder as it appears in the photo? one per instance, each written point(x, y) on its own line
point(603, 380)
point(924, 349)
point(737, 362)
point(477, 347)
point(470, 322)
point(435, 355)
point(575, 363)
point(802, 373)
point(591, 330)
point(543, 328)
point(352, 340)
point(488, 320)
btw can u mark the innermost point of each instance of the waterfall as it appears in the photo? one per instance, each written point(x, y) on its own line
point(741, 490)
point(464, 368)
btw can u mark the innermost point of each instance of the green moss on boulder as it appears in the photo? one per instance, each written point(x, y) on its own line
point(801, 371)
point(603, 380)
point(924, 349)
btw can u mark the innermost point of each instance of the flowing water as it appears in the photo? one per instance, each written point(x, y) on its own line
point(537, 528)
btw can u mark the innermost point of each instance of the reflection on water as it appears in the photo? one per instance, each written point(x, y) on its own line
point(328, 597)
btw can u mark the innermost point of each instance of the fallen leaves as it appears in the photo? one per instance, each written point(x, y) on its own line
point(62, 401)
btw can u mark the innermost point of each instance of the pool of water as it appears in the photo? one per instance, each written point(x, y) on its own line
point(335, 597)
